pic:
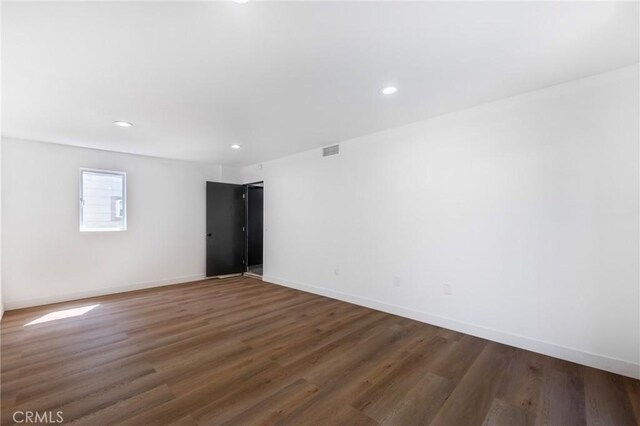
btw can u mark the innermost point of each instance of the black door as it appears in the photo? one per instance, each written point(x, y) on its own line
point(225, 229)
point(254, 225)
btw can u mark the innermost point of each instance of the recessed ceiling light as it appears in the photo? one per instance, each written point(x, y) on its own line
point(235, 146)
point(123, 124)
point(389, 90)
point(241, 1)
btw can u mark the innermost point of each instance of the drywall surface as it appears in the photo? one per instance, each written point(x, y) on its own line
point(47, 259)
point(525, 210)
point(1, 301)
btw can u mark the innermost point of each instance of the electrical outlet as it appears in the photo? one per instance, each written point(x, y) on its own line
point(446, 289)
point(396, 281)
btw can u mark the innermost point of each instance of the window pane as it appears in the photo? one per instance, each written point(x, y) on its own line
point(103, 203)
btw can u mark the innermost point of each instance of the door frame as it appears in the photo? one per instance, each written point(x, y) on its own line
point(246, 225)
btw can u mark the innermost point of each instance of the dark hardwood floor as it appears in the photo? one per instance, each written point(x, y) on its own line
point(239, 351)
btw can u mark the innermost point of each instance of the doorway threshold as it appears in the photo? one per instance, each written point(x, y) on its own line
point(252, 275)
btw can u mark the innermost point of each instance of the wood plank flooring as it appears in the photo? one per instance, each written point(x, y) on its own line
point(243, 352)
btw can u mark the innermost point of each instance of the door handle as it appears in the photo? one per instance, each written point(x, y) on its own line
point(208, 234)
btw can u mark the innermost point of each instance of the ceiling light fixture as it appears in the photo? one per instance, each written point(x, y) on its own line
point(235, 146)
point(389, 90)
point(122, 124)
point(241, 1)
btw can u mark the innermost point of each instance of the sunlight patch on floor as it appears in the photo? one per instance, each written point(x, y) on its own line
point(65, 313)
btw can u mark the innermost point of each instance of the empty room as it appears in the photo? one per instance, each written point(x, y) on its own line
point(320, 213)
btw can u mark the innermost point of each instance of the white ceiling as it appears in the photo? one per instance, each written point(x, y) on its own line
point(280, 78)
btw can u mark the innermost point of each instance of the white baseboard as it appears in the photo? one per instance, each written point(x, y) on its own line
point(590, 359)
point(100, 292)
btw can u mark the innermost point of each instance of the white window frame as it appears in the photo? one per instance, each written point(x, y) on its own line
point(124, 200)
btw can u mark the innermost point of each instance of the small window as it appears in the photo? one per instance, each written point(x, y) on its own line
point(103, 200)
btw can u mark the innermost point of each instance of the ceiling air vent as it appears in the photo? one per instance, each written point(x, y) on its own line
point(330, 150)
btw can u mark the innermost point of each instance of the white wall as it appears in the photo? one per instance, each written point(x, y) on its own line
point(527, 207)
point(46, 258)
point(1, 301)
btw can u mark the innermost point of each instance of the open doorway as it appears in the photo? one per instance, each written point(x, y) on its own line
point(255, 227)
point(234, 229)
